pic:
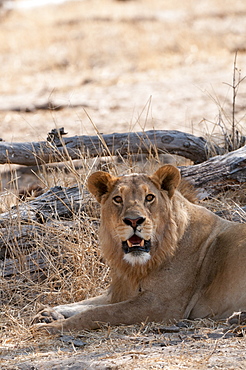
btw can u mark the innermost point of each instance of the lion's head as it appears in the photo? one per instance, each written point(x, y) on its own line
point(141, 220)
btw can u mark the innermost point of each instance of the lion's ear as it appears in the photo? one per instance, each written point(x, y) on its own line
point(100, 183)
point(167, 178)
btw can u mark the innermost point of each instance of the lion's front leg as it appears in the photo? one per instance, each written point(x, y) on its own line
point(140, 309)
point(51, 314)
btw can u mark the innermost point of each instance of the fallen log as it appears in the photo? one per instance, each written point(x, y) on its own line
point(55, 204)
point(238, 214)
point(59, 149)
point(31, 104)
point(218, 172)
point(30, 263)
point(26, 249)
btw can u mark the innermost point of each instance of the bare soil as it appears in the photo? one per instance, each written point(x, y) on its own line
point(198, 345)
point(120, 66)
point(128, 65)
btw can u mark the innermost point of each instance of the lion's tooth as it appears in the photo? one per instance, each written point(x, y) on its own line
point(129, 244)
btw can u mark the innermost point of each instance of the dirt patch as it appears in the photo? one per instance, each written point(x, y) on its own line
point(198, 345)
point(131, 65)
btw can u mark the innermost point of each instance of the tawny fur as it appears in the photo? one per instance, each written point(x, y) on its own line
point(197, 259)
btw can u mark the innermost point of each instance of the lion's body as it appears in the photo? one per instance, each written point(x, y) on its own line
point(170, 258)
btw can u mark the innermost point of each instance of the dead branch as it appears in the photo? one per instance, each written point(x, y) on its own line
point(60, 149)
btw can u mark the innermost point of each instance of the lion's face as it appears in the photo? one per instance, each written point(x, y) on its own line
point(132, 217)
point(136, 212)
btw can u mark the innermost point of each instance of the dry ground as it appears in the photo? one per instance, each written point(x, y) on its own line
point(131, 65)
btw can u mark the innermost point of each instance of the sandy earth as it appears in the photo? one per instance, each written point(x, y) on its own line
point(131, 65)
point(200, 346)
point(196, 347)
point(123, 66)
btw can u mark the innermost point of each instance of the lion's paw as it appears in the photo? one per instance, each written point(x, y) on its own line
point(46, 315)
point(53, 328)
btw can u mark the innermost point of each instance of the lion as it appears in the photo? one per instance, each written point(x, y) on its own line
point(170, 258)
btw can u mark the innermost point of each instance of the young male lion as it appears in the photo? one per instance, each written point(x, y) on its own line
point(169, 258)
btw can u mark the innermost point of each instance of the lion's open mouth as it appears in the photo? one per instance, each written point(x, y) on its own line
point(136, 244)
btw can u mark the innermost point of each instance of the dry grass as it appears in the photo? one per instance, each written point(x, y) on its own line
point(58, 262)
point(228, 130)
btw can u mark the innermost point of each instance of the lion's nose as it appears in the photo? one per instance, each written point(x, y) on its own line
point(134, 222)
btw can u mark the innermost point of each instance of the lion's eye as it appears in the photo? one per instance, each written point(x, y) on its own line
point(118, 199)
point(149, 197)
